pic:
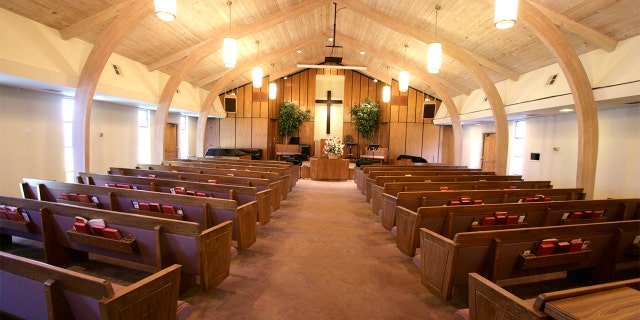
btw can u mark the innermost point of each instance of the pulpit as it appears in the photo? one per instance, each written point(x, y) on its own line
point(329, 169)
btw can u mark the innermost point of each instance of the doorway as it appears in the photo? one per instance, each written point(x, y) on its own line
point(488, 159)
point(171, 141)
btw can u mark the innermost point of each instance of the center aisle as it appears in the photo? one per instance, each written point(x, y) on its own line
point(323, 255)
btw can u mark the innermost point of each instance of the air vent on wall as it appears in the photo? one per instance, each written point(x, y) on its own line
point(552, 79)
point(116, 70)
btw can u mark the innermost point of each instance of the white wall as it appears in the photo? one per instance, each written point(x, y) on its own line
point(32, 137)
point(31, 140)
point(618, 167)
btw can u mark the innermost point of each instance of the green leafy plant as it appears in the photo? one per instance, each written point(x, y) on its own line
point(291, 118)
point(365, 118)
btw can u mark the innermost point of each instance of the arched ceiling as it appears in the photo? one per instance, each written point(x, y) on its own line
point(380, 28)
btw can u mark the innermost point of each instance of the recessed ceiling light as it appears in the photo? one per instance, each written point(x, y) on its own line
point(566, 110)
point(331, 39)
point(375, 80)
point(299, 51)
point(362, 52)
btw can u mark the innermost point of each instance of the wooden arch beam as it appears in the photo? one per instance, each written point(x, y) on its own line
point(131, 16)
point(437, 86)
point(99, 18)
point(599, 39)
point(162, 112)
point(240, 32)
point(580, 86)
point(406, 29)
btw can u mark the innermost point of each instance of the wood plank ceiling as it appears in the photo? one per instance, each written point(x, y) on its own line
point(380, 28)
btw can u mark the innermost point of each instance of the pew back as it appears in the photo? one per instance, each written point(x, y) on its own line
point(207, 212)
point(240, 194)
point(413, 200)
point(450, 220)
point(498, 254)
point(35, 290)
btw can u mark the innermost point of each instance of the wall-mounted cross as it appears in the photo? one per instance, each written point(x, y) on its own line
point(329, 102)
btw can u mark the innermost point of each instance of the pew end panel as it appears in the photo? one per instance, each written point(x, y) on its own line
point(489, 301)
point(406, 230)
point(214, 255)
point(439, 256)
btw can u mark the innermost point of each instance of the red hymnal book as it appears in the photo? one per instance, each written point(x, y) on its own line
point(444, 188)
point(488, 221)
point(155, 207)
point(168, 209)
point(213, 181)
point(13, 213)
point(454, 203)
point(112, 233)
point(81, 227)
point(97, 230)
point(531, 200)
point(64, 195)
point(576, 245)
point(200, 194)
point(83, 198)
point(73, 196)
point(191, 193)
point(123, 186)
point(587, 214)
point(575, 215)
point(501, 220)
point(111, 185)
point(465, 201)
point(547, 199)
point(546, 247)
point(597, 213)
point(512, 219)
point(478, 201)
point(179, 190)
point(562, 247)
point(144, 206)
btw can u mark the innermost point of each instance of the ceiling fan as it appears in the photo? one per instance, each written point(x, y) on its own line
point(331, 58)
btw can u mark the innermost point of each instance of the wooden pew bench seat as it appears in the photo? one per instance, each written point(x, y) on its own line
point(36, 290)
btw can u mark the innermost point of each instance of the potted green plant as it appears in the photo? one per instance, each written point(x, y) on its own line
point(365, 118)
point(291, 118)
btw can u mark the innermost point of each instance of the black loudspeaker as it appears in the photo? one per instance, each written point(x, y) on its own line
point(305, 150)
point(429, 110)
point(230, 104)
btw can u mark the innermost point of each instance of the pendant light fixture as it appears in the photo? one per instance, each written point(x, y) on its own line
point(403, 79)
point(386, 90)
point(273, 88)
point(165, 9)
point(257, 70)
point(230, 46)
point(506, 13)
point(434, 53)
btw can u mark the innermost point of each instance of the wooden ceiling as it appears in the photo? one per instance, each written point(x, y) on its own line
point(379, 28)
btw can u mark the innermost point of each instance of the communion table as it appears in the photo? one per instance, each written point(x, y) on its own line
point(329, 169)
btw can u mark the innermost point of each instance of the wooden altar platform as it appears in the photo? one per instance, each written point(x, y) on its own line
point(329, 169)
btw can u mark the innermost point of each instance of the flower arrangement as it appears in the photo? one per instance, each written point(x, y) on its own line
point(334, 145)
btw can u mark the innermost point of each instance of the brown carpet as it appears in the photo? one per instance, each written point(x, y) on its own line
point(324, 255)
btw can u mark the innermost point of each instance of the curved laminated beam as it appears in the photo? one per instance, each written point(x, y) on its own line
point(195, 55)
point(131, 16)
point(473, 66)
point(586, 110)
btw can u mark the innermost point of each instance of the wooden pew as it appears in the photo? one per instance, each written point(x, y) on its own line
point(255, 165)
point(436, 177)
point(393, 188)
point(240, 194)
point(36, 290)
point(498, 254)
point(450, 220)
point(271, 176)
point(361, 173)
point(261, 184)
point(206, 212)
point(489, 301)
point(150, 243)
point(414, 199)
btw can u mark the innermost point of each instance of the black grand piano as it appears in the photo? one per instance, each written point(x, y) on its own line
point(256, 154)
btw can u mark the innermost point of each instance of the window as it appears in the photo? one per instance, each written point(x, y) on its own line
point(67, 127)
point(144, 137)
point(183, 137)
point(517, 148)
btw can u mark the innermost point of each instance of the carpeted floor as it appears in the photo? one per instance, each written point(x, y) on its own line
point(323, 255)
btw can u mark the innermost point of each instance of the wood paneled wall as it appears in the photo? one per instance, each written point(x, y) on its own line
point(401, 125)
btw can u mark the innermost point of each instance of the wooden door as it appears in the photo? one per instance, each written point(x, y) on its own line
point(488, 152)
point(171, 141)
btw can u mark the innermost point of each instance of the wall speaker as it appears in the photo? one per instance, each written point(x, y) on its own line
point(429, 110)
point(230, 104)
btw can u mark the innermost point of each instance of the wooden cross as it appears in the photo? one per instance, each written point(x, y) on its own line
point(329, 102)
